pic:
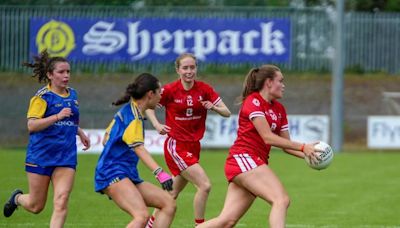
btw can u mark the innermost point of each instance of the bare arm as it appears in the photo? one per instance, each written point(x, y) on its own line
point(164, 178)
point(161, 128)
point(40, 124)
point(145, 156)
point(297, 153)
point(84, 138)
point(264, 130)
point(105, 138)
point(219, 108)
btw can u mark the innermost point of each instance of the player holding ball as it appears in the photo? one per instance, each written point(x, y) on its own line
point(262, 123)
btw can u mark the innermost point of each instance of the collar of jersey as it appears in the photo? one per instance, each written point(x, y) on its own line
point(49, 88)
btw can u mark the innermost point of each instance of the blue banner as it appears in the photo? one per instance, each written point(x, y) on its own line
point(156, 39)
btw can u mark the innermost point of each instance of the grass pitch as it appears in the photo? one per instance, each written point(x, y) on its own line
point(359, 189)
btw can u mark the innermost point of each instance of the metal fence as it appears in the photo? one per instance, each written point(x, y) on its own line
point(371, 39)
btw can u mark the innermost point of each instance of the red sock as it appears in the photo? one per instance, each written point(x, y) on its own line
point(198, 221)
point(150, 222)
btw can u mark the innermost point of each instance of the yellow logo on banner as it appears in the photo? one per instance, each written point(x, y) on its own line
point(57, 37)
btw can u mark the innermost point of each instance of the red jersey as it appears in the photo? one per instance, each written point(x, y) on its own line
point(184, 112)
point(248, 140)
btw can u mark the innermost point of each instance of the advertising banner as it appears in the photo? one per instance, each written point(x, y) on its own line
point(309, 128)
point(162, 39)
point(221, 133)
point(384, 132)
point(153, 141)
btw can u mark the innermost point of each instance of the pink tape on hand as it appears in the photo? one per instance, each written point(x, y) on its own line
point(163, 177)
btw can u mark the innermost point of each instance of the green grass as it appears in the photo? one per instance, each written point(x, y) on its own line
point(357, 190)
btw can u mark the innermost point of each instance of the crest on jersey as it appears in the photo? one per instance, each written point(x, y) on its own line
point(189, 100)
point(272, 115)
point(256, 102)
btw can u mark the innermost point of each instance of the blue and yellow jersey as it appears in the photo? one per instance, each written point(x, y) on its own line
point(55, 145)
point(118, 158)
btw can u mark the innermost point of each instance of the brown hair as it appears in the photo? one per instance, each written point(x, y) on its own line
point(255, 79)
point(182, 56)
point(139, 87)
point(44, 64)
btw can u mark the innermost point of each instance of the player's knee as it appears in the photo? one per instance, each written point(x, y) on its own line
point(169, 205)
point(61, 201)
point(174, 194)
point(205, 187)
point(34, 205)
point(170, 209)
point(142, 217)
point(36, 208)
point(283, 201)
point(228, 223)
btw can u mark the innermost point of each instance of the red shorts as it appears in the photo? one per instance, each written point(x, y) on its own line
point(179, 155)
point(239, 163)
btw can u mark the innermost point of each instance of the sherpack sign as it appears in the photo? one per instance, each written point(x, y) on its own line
point(157, 39)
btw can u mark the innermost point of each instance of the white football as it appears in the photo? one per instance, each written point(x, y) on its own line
point(326, 156)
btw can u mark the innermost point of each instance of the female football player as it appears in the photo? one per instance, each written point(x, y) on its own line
point(186, 103)
point(53, 123)
point(116, 171)
point(262, 124)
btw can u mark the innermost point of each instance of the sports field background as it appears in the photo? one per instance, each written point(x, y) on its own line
point(359, 189)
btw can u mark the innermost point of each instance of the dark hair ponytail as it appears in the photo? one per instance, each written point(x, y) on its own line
point(139, 87)
point(43, 64)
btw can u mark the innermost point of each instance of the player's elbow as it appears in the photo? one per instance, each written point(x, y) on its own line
point(225, 113)
point(270, 139)
point(31, 127)
point(228, 113)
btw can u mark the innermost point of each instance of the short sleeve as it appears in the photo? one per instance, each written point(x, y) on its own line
point(133, 135)
point(212, 94)
point(37, 107)
point(252, 107)
point(165, 94)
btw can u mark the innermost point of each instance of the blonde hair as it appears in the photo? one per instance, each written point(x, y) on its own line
point(182, 56)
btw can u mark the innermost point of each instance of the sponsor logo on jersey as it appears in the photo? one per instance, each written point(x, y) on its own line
point(256, 102)
point(66, 123)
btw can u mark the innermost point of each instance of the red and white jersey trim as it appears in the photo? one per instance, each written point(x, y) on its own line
point(245, 162)
point(255, 114)
point(217, 101)
point(171, 147)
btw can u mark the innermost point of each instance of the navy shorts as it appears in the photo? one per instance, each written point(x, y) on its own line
point(47, 171)
point(100, 185)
